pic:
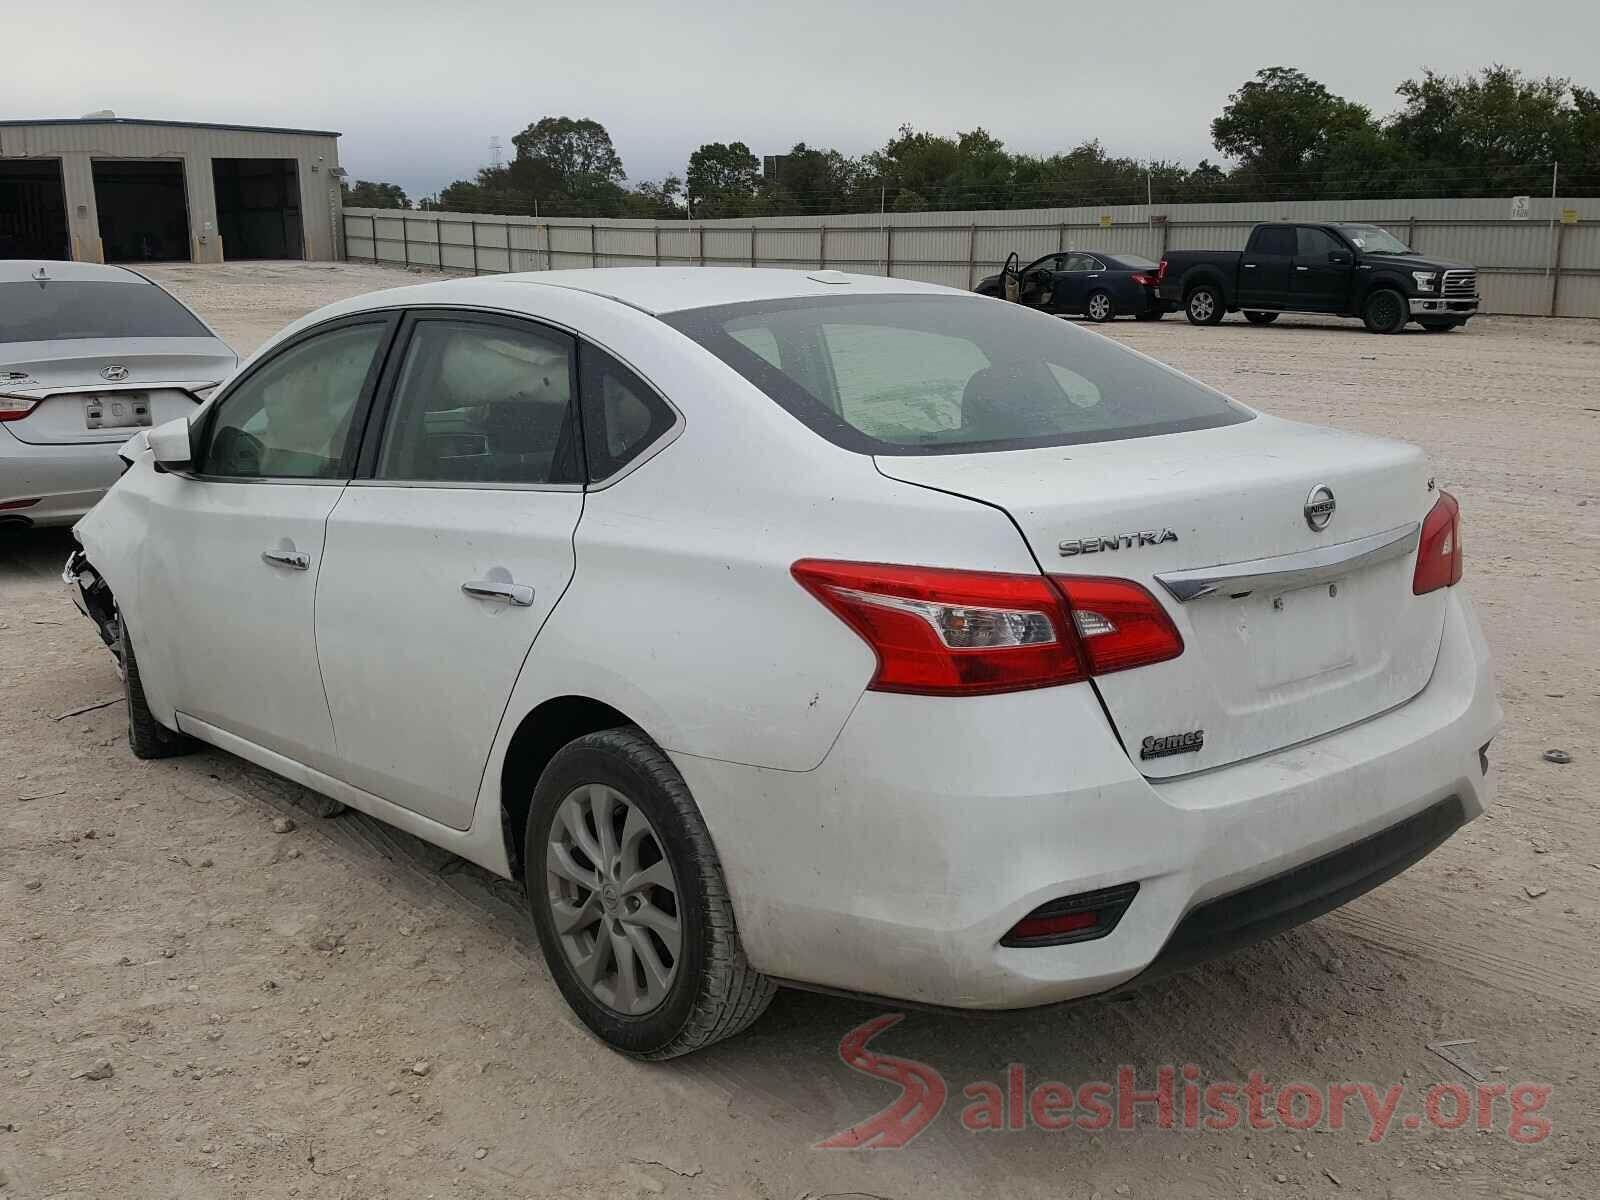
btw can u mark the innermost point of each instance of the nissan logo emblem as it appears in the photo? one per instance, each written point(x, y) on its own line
point(115, 373)
point(1319, 507)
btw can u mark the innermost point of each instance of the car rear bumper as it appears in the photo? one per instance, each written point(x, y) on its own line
point(896, 867)
point(63, 481)
point(1435, 306)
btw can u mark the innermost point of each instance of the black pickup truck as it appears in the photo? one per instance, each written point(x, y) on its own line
point(1344, 269)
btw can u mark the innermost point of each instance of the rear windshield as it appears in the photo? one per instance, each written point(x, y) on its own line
point(948, 375)
point(1137, 262)
point(69, 309)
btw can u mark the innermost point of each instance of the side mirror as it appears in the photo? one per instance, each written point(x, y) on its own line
point(1340, 258)
point(171, 445)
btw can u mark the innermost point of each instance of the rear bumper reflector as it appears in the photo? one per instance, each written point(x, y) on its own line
point(1079, 918)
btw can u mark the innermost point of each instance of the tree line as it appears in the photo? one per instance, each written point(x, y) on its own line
point(1284, 135)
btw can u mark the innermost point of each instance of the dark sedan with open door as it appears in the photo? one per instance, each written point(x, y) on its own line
point(1094, 284)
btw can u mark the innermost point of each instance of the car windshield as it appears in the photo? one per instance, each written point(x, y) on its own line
point(64, 310)
point(947, 375)
point(1137, 262)
point(1372, 240)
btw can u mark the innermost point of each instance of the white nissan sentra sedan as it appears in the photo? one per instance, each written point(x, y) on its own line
point(802, 629)
point(88, 354)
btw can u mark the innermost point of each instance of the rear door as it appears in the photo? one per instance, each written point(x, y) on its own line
point(445, 558)
point(1076, 279)
point(1266, 267)
point(1323, 268)
point(233, 550)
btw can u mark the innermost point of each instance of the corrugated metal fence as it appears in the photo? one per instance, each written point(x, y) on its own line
point(1544, 264)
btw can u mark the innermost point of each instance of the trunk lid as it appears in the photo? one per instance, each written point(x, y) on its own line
point(78, 403)
point(1327, 635)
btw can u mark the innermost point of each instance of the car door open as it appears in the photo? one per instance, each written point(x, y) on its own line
point(229, 573)
point(448, 552)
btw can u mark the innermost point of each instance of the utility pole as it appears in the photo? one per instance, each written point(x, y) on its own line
point(1555, 169)
point(883, 225)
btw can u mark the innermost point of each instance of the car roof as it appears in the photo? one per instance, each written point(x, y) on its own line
point(21, 270)
point(653, 290)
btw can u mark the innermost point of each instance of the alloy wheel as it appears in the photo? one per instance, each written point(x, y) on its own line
point(1202, 305)
point(1099, 307)
point(613, 899)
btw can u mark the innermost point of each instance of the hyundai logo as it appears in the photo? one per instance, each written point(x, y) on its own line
point(1319, 507)
point(115, 373)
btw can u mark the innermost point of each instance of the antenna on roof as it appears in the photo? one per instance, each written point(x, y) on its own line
point(41, 275)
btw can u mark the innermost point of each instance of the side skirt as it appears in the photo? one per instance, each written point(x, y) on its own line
point(486, 847)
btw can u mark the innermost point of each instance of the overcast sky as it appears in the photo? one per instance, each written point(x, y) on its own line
point(418, 88)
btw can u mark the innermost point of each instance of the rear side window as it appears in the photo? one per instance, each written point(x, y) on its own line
point(622, 416)
point(945, 375)
point(482, 402)
point(1273, 239)
point(69, 310)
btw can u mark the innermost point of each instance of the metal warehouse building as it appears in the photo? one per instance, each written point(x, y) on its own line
point(114, 189)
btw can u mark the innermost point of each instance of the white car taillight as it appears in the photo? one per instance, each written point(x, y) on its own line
point(939, 632)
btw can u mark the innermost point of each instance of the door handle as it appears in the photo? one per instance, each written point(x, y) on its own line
point(1250, 266)
point(518, 595)
point(1302, 268)
point(292, 559)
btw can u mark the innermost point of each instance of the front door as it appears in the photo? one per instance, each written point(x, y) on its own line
point(230, 566)
point(1323, 268)
point(444, 559)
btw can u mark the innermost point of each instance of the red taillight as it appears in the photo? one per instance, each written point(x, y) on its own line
point(29, 503)
point(1145, 280)
point(1161, 271)
point(939, 632)
point(14, 408)
point(1119, 624)
point(1439, 550)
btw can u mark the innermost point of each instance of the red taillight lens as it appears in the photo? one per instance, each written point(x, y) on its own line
point(950, 633)
point(1119, 624)
point(1439, 550)
point(939, 632)
point(14, 408)
point(1161, 271)
point(1145, 280)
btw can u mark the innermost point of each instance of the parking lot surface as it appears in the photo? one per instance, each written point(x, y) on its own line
point(340, 1010)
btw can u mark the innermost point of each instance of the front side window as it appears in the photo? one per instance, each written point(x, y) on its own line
point(70, 310)
point(292, 417)
point(1316, 243)
point(944, 375)
point(482, 402)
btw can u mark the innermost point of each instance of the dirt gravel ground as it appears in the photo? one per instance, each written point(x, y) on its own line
point(339, 1010)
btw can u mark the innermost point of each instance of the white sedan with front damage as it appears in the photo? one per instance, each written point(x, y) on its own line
point(88, 355)
point(801, 629)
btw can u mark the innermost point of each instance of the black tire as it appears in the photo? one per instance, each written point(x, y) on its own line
point(1438, 326)
point(1260, 318)
point(715, 993)
point(1385, 311)
point(147, 737)
point(1204, 305)
point(1155, 315)
point(1099, 307)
